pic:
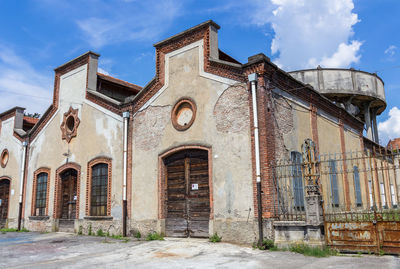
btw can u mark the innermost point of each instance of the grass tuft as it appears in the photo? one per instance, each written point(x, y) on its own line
point(154, 236)
point(313, 251)
point(215, 238)
point(7, 230)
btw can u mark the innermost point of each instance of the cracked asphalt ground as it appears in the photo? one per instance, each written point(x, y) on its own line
point(63, 250)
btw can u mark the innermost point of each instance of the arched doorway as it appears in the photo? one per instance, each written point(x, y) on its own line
point(187, 208)
point(69, 197)
point(4, 200)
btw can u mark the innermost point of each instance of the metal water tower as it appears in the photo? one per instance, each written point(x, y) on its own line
point(361, 93)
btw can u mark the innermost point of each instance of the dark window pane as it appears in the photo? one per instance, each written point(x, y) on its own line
point(297, 180)
point(334, 184)
point(41, 194)
point(98, 200)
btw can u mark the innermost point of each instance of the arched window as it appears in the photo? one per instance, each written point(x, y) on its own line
point(99, 190)
point(40, 194)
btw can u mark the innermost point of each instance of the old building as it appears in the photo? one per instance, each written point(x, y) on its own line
point(193, 153)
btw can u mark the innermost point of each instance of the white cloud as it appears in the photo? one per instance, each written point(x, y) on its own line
point(131, 20)
point(101, 70)
point(391, 50)
point(310, 32)
point(390, 128)
point(21, 84)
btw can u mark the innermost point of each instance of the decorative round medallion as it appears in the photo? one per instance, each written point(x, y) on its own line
point(4, 158)
point(183, 114)
point(70, 124)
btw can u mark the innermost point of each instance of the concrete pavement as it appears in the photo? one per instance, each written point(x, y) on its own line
point(62, 250)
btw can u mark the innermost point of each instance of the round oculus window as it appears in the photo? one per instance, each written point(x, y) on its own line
point(183, 114)
point(4, 158)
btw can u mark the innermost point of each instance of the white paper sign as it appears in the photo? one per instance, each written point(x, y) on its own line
point(195, 186)
point(12, 192)
point(75, 198)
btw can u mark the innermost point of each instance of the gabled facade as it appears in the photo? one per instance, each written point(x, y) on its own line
point(181, 156)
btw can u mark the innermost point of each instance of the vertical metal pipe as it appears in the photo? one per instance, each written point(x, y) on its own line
point(253, 80)
point(21, 185)
point(125, 116)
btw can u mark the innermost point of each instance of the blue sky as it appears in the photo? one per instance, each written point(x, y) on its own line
point(37, 36)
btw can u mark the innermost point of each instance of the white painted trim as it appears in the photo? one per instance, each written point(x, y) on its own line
point(202, 73)
point(74, 71)
point(45, 127)
point(103, 110)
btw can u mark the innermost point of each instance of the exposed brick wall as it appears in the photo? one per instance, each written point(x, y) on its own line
point(90, 164)
point(148, 126)
point(345, 176)
point(231, 111)
point(364, 167)
point(314, 125)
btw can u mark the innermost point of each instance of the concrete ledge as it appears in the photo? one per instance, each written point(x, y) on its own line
point(100, 218)
point(39, 217)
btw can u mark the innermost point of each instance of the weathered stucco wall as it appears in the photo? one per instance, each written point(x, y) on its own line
point(222, 123)
point(13, 167)
point(99, 134)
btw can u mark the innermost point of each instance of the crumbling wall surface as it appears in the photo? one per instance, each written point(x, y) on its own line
point(231, 112)
point(148, 126)
point(284, 126)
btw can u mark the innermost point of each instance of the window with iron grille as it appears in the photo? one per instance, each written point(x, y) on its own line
point(297, 180)
point(357, 186)
point(99, 190)
point(41, 194)
point(334, 183)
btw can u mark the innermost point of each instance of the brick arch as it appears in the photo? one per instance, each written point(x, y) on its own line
point(57, 189)
point(91, 163)
point(35, 174)
point(161, 176)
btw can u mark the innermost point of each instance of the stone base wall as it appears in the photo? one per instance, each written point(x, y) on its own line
point(297, 232)
point(39, 224)
point(113, 227)
point(146, 226)
point(236, 231)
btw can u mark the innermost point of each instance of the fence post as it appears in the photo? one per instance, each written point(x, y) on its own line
point(313, 198)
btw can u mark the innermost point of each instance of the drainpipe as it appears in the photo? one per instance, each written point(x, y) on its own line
point(125, 115)
point(21, 186)
point(253, 80)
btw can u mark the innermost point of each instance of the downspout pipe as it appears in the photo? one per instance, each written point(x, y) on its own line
point(253, 81)
point(21, 185)
point(125, 116)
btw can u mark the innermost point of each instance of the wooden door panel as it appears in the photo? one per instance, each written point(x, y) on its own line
point(4, 196)
point(176, 223)
point(68, 193)
point(188, 207)
point(199, 198)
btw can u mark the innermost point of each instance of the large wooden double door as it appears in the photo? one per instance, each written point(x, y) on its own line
point(68, 194)
point(4, 199)
point(188, 194)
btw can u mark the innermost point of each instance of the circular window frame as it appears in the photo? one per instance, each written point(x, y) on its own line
point(4, 157)
point(179, 105)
